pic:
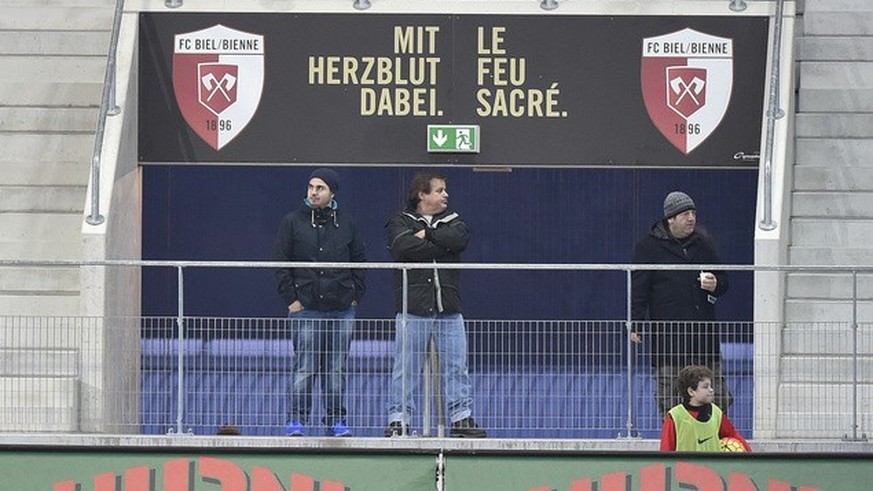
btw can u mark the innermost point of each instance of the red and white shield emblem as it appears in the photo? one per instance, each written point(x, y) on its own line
point(687, 78)
point(218, 78)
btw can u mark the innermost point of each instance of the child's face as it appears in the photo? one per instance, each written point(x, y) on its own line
point(703, 394)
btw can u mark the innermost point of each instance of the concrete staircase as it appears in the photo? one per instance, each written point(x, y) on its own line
point(52, 62)
point(832, 214)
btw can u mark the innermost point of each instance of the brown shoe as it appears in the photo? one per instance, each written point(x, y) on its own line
point(228, 429)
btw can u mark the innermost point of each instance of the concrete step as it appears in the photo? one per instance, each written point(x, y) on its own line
point(828, 232)
point(829, 286)
point(836, 75)
point(837, 16)
point(833, 204)
point(835, 86)
point(830, 369)
point(44, 332)
point(817, 256)
point(80, 43)
point(52, 69)
point(43, 250)
point(60, 3)
point(39, 404)
point(48, 119)
point(29, 281)
point(806, 427)
point(824, 177)
point(37, 199)
point(807, 310)
point(838, 6)
point(821, 410)
point(836, 100)
point(26, 227)
point(33, 147)
point(835, 151)
point(820, 398)
point(39, 305)
point(810, 338)
point(834, 48)
point(40, 362)
point(45, 173)
point(55, 17)
point(38, 93)
point(846, 23)
point(829, 125)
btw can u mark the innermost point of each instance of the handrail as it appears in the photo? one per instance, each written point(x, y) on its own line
point(774, 112)
point(108, 107)
point(819, 268)
point(630, 325)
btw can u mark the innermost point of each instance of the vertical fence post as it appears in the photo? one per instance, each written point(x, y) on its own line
point(629, 424)
point(404, 355)
point(427, 376)
point(180, 324)
point(854, 437)
point(437, 387)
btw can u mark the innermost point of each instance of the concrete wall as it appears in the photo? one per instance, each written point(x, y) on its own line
point(110, 375)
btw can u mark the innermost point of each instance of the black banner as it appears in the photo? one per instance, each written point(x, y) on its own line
point(362, 89)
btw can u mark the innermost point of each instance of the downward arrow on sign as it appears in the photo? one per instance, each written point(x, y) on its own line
point(440, 138)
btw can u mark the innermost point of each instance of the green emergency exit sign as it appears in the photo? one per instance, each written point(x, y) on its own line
point(453, 138)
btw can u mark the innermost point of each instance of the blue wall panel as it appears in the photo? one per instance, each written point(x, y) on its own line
point(527, 215)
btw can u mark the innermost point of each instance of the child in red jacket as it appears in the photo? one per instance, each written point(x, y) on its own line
point(697, 424)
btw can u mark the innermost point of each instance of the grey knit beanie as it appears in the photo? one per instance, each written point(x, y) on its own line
point(677, 202)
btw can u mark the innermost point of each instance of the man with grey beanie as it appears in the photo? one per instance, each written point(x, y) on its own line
point(675, 309)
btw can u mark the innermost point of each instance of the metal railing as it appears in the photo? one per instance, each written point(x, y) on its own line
point(531, 378)
point(774, 112)
point(108, 107)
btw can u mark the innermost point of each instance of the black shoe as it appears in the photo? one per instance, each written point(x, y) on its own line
point(395, 428)
point(228, 429)
point(466, 428)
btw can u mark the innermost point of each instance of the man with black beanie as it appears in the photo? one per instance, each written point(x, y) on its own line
point(321, 301)
point(675, 308)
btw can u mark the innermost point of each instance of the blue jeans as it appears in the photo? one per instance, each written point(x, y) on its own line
point(410, 351)
point(321, 350)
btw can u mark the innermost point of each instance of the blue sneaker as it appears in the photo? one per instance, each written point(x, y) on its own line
point(339, 428)
point(294, 428)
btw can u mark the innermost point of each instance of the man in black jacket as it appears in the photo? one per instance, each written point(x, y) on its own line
point(679, 305)
point(321, 301)
point(427, 231)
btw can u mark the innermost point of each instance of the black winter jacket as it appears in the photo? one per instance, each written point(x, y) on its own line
point(431, 291)
point(327, 235)
point(676, 296)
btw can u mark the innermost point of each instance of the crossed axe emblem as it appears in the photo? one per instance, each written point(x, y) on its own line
point(691, 89)
point(214, 85)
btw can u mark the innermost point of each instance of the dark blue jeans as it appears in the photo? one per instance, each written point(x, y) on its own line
point(321, 350)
